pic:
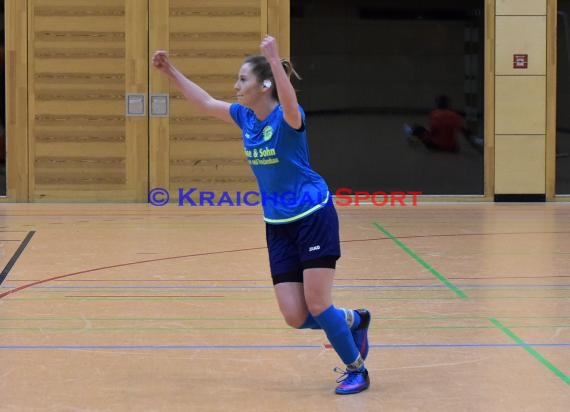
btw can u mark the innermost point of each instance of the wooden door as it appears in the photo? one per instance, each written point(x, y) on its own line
point(87, 60)
point(16, 101)
point(84, 57)
point(208, 41)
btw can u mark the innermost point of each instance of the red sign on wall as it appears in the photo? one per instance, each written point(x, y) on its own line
point(520, 61)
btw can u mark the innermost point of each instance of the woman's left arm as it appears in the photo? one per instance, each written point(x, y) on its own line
point(285, 90)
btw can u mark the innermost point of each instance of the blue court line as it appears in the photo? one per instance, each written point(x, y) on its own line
point(433, 286)
point(257, 347)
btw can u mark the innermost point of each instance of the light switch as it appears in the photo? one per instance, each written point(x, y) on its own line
point(135, 104)
point(159, 105)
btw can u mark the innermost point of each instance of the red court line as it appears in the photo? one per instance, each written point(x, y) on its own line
point(136, 215)
point(386, 279)
point(144, 296)
point(39, 282)
point(152, 280)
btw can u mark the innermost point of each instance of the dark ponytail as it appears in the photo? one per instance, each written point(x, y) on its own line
point(262, 70)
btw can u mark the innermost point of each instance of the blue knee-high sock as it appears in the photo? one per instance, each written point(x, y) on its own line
point(333, 322)
point(310, 323)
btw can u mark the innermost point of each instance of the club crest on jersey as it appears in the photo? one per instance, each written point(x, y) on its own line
point(267, 133)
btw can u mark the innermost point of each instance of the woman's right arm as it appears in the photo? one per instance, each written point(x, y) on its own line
point(199, 99)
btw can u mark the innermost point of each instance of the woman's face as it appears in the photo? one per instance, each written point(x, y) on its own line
point(248, 87)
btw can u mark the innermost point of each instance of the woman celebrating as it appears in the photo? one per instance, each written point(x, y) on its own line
point(303, 231)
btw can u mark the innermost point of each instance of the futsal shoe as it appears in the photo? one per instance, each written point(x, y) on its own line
point(352, 381)
point(360, 334)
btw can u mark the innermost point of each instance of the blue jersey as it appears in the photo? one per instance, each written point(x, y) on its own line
point(279, 158)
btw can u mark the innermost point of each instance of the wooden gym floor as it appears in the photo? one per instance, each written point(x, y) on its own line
point(142, 308)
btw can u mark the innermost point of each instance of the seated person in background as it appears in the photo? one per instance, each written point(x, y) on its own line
point(444, 126)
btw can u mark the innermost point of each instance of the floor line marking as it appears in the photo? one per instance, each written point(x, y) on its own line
point(256, 347)
point(422, 262)
point(530, 350)
point(15, 256)
point(387, 287)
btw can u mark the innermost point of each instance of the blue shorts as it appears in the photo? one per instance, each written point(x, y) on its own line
point(310, 242)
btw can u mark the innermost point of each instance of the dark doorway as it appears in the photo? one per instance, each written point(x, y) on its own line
point(372, 73)
point(563, 100)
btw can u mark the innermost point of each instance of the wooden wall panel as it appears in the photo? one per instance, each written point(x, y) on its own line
point(521, 169)
point(84, 56)
point(279, 24)
point(17, 101)
point(521, 97)
point(159, 127)
point(521, 7)
point(520, 104)
point(551, 98)
point(521, 34)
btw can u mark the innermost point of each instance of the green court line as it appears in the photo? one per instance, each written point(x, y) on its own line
point(422, 262)
point(462, 295)
point(531, 350)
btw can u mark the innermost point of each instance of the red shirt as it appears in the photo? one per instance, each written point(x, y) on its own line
point(445, 125)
